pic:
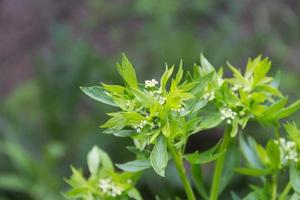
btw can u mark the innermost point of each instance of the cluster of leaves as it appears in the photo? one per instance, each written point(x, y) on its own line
point(271, 163)
point(104, 183)
point(160, 117)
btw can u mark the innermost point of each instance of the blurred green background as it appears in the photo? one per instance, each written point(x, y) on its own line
point(50, 48)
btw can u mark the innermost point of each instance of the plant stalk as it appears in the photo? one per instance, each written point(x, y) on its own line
point(285, 191)
point(177, 157)
point(214, 193)
point(274, 187)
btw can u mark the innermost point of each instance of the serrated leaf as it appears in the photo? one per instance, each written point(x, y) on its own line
point(99, 94)
point(135, 166)
point(159, 156)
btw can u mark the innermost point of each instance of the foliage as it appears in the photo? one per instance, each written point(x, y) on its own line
point(161, 116)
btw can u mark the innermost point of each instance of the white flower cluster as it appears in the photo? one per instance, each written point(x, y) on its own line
point(158, 97)
point(110, 188)
point(209, 96)
point(220, 81)
point(180, 109)
point(138, 127)
point(236, 87)
point(288, 151)
point(150, 83)
point(228, 114)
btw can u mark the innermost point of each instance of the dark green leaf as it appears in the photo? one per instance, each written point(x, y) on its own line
point(159, 156)
point(99, 94)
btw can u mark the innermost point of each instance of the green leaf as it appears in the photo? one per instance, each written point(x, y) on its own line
point(93, 160)
point(120, 133)
point(285, 112)
point(159, 156)
point(113, 88)
point(274, 154)
point(234, 127)
point(127, 72)
point(204, 157)
point(252, 171)
point(134, 193)
point(207, 67)
point(165, 77)
point(135, 166)
point(143, 98)
point(210, 121)
point(269, 113)
point(249, 152)
point(295, 178)
point(99, 94)
point(98, 157)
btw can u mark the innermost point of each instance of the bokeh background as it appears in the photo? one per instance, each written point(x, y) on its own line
point(49, 48)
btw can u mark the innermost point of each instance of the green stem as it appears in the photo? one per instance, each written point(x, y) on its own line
point(177, 157)
point(214, 193)
point(274, 187)
point(285, 191)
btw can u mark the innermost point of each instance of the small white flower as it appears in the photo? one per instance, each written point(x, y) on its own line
point(110, 188)
point(209, 96)
point(150, 83)
point(288, 151)
point(228, 114)
point(220, 81)
point(236, 87)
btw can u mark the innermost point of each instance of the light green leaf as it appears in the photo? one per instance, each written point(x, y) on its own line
point(159, 156)
point(207, 67)
point(295, 178)
point(234, 127)
point(285, 112)
point(98, 157)
point(165, 77)
point(274, 154)
point(127, 72)
point(134, 193)
point(135, 166)
point(93, 160)
point(99, 94)
point(252, 171)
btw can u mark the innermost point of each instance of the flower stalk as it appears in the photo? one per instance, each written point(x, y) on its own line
point(177, 157)
point(214, 193)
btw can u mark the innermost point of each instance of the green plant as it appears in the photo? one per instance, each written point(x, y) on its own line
point(161, 116)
